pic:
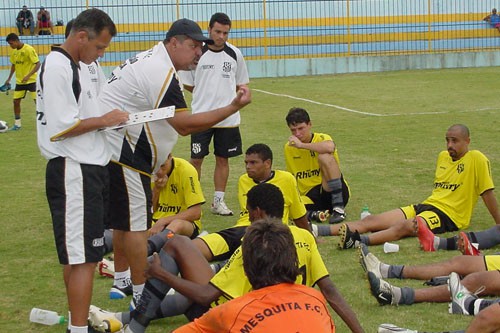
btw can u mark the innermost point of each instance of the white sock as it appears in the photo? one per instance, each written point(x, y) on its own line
point(69, 320)
point(17, 122)
point(137, 288)
point(218, 196)
point(79, 329)
point(121, 278)
point(436, 243)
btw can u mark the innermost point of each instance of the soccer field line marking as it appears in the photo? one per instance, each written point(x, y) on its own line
point(369, 113)
point(319, 103)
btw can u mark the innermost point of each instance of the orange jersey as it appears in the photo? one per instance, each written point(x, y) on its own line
point(280, 308)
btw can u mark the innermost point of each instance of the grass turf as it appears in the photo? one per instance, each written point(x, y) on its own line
point(388, 127)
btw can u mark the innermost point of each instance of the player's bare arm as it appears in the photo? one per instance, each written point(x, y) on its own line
point(491, 203)
point(201, 294)
point(112, 118)
point(191, 214)
point(323, 147)
point(302, 223)
point(186, 123)
point(338, 304)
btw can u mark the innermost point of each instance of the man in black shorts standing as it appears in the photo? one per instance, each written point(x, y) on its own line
point(77, 181)
point(221, 71)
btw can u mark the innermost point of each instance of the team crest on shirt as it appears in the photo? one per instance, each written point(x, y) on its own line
point(226, 67)
point(173, 188)
point(460, 168)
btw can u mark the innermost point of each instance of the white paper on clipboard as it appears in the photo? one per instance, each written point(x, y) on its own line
point(145, 116)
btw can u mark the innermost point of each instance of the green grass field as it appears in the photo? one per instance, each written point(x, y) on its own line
point(389, 128)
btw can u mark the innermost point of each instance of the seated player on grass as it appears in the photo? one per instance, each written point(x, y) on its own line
point(314, 161)
point(480, 274)
point(461, 177)
point(198, 289)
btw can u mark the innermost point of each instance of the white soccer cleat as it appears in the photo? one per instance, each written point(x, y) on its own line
point(459, 294)
point(369, 261)
point(106, 268)
point(104, 321)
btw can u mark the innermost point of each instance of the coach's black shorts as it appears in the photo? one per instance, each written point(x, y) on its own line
point(227, 142)
point(78, 199)
point(130, 203)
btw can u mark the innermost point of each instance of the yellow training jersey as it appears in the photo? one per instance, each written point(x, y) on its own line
point(24, 60)
point(232, 281)
point(303, 164)
point(182, 191)
point(458, 184)
point(294, 207)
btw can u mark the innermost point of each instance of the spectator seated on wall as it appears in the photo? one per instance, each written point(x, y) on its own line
point(493, 19)
point(44, 23)
point(25, 20)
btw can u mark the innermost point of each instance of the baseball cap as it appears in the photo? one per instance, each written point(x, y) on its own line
point(188, 28)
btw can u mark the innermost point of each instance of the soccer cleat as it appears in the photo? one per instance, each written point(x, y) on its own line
point(104, 321)
point(465, 246)
point(15, 128)
point(348, 239)
point(220, 208)
point(337, 215)
point(425, 235)
point(106, 268)
point(369, 261)
point(121, 292)
point(390, 328)
point(318, 216)
point(458, 295)
point(381, 289)
point(437, 281)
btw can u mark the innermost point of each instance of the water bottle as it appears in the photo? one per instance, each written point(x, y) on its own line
point(46, 317)
point(365, 212)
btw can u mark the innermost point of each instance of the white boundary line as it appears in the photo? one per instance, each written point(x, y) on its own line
point(315, 102)
point(369, 113)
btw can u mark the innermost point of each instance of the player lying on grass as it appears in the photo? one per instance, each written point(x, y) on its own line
point(487, 321)
point(480, 274)
point(461, 177)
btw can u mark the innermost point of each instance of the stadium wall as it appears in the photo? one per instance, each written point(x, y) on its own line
point(297, 37)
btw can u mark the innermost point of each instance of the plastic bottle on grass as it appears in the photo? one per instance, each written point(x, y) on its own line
point(46, 317)
point(365, 212)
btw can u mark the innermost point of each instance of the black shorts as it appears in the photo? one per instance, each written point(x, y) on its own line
point(31, 87)
point(78, 199)
point(223, 243)
point(130, 205)
point(437, 221)
point(227, 142)
point(323, 199)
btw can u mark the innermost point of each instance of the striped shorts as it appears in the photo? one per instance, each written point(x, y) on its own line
point(78, 199)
